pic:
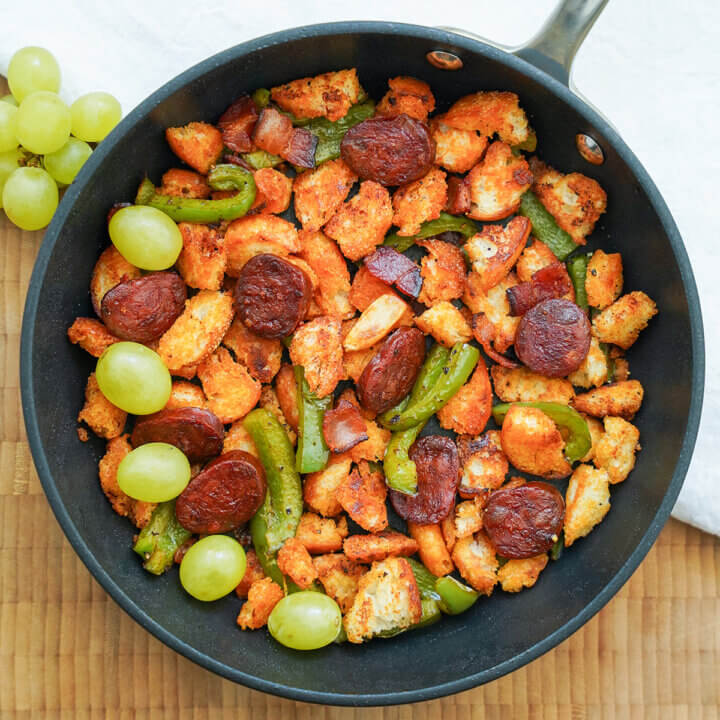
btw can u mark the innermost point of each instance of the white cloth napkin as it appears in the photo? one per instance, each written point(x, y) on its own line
point(654, 71)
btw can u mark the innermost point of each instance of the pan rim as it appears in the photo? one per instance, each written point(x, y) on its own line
point(444, 39)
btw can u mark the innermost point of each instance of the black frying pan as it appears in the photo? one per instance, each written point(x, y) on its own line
point(500, 633)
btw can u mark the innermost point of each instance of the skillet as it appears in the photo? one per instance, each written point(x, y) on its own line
point(502, 632)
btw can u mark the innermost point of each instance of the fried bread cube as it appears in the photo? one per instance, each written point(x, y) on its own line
point(475, 559)
point(263, 596)
point(319, 193)
point(494, 304)
point(110, 270)
point(593, 371)
point(198, 144)
point(517, 574)
point(484, 465)
point(469, 409)
point(456, 150)
point(320, 535)
point(319, 488)
point(91, 335)
point(369, 548)
point(362, 495)
point(184, 183)
point(621, 323)
point(274, 190)
point(442, 271)
point(523, 385)
point(445, 323)
point(603, 279)
point(587, 501)
point(615, 450)
point(339, 578)
point(408, 96)
point(294, 560)
point(286, 390)
point(317, 347)
point(419, 201)
point(261, 356)
point(102, 417)
point(253, 572)
point(622, 399)
point(202, 260)
point(238, 438)
point(433, 551)
point(185, 394)
point(328, 95)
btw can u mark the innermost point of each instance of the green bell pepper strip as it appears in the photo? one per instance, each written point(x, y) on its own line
point(578, 442)
point(400, 470)
point(425, 580)
point(261, 98)
point(445, 223)
point(577, 269)
point(330, 134)
point(544, 226)
point(278, 517)
point(455, 597)
point(312, 450)
point(160, 538)
point(609, 361)
point(461, 363)
point(557, 548)
point(197, 210)
point(261, 159)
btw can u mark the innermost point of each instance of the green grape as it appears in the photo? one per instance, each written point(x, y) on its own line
point(64, 164)
point(9, 99)
point(134, 378)
point(43, 123)
point(30, 197)
point(145, 237)
point(94, 115)
point(9, 162)
point(305, 620)
point(8, 127)
point(32, 69)
point(212, 567)
point(155, 472)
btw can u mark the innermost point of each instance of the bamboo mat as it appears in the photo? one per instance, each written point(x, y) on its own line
point(67, 651)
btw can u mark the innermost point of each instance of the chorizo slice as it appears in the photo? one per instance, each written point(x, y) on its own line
point(394, 268)
point(344, 427)
point(549, 282)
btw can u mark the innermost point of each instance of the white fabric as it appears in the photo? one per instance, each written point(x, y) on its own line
point(652, 66)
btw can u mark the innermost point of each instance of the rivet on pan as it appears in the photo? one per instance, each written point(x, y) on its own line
point(444, 60)
point(589, 149)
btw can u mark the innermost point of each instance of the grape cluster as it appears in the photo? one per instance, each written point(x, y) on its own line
point(43, 142)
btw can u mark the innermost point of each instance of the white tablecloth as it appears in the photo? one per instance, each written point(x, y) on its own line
point(653, 66)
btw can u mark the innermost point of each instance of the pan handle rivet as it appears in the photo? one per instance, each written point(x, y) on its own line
point(444, 60)
point(589, 149)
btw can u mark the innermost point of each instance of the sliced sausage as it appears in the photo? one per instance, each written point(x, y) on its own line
point(197, 432)
point(394, 268)
point(392, 372)
point(144, 308)
point(551, 281)
point(553, 338)
point(344, 427)
point(438, 471)
point(524, 521)
point(224, 495)
point(272, 296)
point(389, 150)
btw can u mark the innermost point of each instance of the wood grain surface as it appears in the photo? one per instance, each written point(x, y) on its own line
point(68, 651)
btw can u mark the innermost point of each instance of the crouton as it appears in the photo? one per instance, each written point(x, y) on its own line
point(387, 601)
point(375, 322)
point(593, 371)
point(339, 577)
point(575, 201)
point(475, 559)
point(491, 112)
point(419, 201)
point(442, 271)
point(362, 495)
point(516, 574)
point(621, 369)
point(319, 487)
point(269, 401)
point(534, 257)
point(469, 517)
point(360, 224)
point(319, 193)
point(432, 548)
point(447, 526)
point(621, 323)
point(366, 288)
point(533, 444)
point(326, 260)
point(184, 183)
point(261, 356)
point(202, 260)
point(355, 362)
point(469, 408)
point(615, 450)
point(273, 191)
point(91, 335)
point(139, 512)
point(603, 279)
point(484, 465)
point(230, 389)
point(368, 548)
point(319, 535)
point(317, 347)
point(257, 234)
point(101, 416)
point(456, 150)
point(185, 394)
point(587, 501)
point(253, 573)
point(373, 449)
point(294, 560)
point(348, 394)
point(596, 429)
point(495, 306)
point(238, 438)
point(445, 323)
point(523, 385)
point(408, 96)
point(286, 389)
point(197, 332)
point(328, 95)
point(198, 144)
point(495, 249)
point(110, 270)
point(497, 183)
point(622, 399)
point(263, 596)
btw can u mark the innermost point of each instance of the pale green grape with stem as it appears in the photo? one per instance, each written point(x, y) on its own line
point(64, 164)
point(43, 123)
point(154, 472)
point(94, 115)
point(213, 567)
point(30, 197)
point(32, 69)
point(305, 620)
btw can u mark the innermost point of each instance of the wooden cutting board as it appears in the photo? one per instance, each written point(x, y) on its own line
point(68, 651)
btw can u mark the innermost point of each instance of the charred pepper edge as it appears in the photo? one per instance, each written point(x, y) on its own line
point(544, 226)
point(444, 223)
point(160, 538)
